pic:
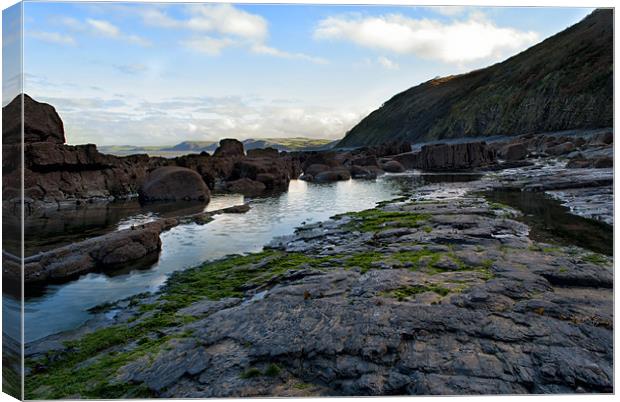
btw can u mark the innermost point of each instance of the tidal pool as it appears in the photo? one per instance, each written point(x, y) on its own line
point(58, 307)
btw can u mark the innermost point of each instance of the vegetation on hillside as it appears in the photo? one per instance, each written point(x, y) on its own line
point(564, 82)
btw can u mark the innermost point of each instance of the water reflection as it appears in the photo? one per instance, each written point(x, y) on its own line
point(58, 307)
point(551, 222)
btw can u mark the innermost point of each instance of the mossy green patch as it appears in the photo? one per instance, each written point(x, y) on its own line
point(595, 258)
point(368, 260)
point(224, 278)
point(406, 292)
point(373, 220)
point(273, 370)
point(74, 372)
point(252, 372)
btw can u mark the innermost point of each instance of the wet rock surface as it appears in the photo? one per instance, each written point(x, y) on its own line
point(439, 293)
point(174, 183)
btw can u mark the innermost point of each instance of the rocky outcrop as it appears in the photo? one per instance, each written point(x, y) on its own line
point(565, 82)
point(392, 166)
point(263, 153)
point(512, 152)
point(273, 173)
point(245, 186)
point(41, 122)
point(229, 147)
point(109, 251)
point(174, 183)
point(455, 156)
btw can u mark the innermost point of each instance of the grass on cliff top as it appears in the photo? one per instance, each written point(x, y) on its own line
point(374, 220)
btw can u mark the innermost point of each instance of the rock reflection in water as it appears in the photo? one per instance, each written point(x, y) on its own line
point(550, 222)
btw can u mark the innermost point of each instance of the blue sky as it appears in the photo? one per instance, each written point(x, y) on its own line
point(141, 74)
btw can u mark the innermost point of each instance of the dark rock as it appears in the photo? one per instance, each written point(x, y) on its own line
point(366, 160)
point(245, 186)
point(229, 147)
point(274, 173)
point(604, 138)
point(409, 160)
point(263, 153)
point(513, 152)
point(332, 175)
point(237, 209)
point(41, 122)
point(361, 172)
point(392, 166)
point(455, 156)
point(174, 183)
point(561, 149)
point(603, 162)
point(109, 251)
point(316, 168)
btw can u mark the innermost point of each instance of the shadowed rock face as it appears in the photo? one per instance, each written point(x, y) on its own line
point(174, 183)
point(455, 156)
point(565, 82)
point(41, 122)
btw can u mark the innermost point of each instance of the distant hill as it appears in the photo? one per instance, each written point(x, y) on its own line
point(191, 146)
point(564, 82)
point(185, 147)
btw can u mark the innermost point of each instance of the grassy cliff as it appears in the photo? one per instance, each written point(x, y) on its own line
point(564, 82)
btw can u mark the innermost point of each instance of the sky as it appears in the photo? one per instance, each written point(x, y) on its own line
point(159, 74)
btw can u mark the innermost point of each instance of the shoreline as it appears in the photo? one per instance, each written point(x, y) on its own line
point(429, 254)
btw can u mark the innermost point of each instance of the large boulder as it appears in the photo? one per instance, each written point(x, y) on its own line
point(245, 186)
point(174, 183)
point(513, 152)
point(392, 166)
point(409, 160)
point(329, 158)
point(363, 172)
point(229, 147)
point(274, 173)
point(41, 122)
point(336, 174)
point(316, 168)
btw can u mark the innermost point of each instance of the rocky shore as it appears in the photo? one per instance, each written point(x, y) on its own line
point(441, 292)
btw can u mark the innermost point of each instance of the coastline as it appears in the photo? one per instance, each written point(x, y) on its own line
point(444, 268)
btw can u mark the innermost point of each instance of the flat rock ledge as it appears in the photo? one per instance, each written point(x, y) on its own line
point(101, 253)
point(413, 297)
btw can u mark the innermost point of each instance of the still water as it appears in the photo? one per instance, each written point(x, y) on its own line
point(59, 307)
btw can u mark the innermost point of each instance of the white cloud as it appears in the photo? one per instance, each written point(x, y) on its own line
point(387, 63)
point(208, 45)
point(458, 42)
point(228, 20)
point(104, 28)
point(53, 37)
point(450, 11)
point(114, 120)
point(263, 49)
point(226, 26)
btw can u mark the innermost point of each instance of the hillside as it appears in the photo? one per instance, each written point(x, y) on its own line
point(282, 144)
point(564, 82)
